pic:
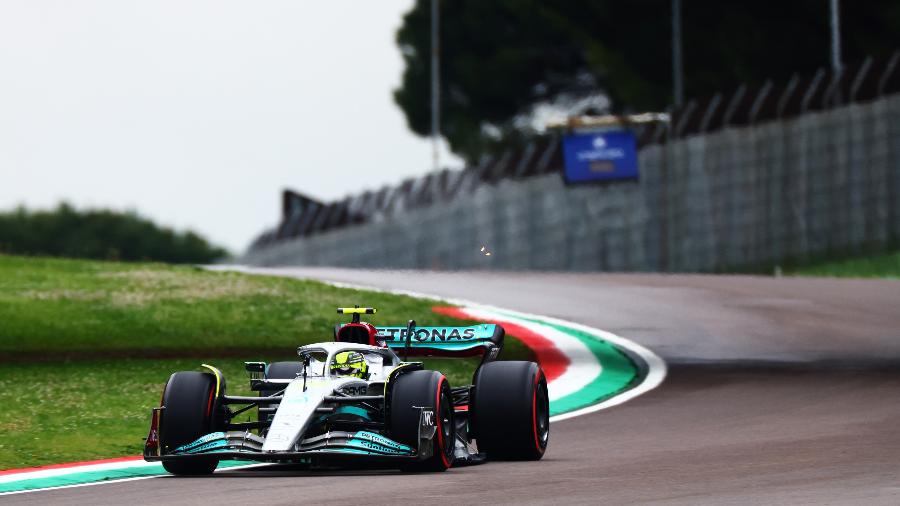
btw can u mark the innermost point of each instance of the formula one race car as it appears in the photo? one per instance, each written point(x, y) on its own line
point(354, 399)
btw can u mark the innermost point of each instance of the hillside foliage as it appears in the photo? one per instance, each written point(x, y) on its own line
point(501, 59)
point(100, 234)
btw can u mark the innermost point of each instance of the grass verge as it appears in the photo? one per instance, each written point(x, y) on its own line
point(53, 308)
point(86, 347)
point(885, 265)
point(93, 409)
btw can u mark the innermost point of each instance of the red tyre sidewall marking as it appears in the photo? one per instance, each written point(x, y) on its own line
point(553, 361)
point(534, 420)
point(209, 402)
point(440, 422)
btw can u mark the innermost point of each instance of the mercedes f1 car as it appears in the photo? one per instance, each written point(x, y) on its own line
point(355, 399)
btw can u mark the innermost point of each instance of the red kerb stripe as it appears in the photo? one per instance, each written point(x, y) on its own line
point(71, 464)
point(553, 361)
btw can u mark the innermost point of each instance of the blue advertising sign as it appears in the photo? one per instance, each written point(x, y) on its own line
point(600, 156)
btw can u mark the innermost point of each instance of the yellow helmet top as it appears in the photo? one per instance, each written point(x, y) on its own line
point(350, 363)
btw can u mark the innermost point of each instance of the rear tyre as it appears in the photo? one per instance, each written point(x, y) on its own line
point(510, 410)
point(278, 370)
point(428, 389)
point(190, 405)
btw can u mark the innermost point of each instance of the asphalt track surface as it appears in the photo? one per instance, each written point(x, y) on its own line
point(779, 391)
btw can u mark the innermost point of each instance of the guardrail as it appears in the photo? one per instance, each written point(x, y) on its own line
point(761, 175)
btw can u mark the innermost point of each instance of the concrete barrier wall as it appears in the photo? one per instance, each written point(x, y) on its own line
point(740, 197)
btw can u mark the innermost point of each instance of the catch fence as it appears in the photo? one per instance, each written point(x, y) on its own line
point(760, 177)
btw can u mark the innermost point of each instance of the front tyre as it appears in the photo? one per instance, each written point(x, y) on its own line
point(189, 400)
point(510, 410)
point(431, 390)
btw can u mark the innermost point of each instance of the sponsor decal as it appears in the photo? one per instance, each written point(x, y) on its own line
point(203, 440)
point(209, 446)
point(151, 447)
point(429, 334)
point(153, 438)
point(375, 442)
point(359, 389)
point(600, 156)
point(427, 426)
point(381, 440)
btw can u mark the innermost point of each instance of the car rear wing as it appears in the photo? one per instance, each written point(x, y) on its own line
point(484, 339)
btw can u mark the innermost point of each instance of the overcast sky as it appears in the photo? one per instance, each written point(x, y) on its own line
point(198, 113)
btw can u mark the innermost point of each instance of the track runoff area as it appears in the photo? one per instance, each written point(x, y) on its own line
point(587, 370)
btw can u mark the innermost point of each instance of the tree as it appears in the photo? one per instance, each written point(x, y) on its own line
point(99, 234)
point(502, 59)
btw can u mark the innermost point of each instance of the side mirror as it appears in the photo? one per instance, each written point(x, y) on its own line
point(257, 370)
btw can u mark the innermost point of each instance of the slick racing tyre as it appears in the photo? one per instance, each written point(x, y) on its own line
point(277, 370)
point(510, 410)
point(189, 400)
point(409, 393)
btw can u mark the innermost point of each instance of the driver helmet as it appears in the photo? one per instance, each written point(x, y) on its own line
point(350, 363)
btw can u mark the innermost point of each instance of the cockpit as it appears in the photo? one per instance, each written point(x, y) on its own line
point(364, 362)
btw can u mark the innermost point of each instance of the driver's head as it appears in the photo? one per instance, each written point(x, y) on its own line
point(350, 363)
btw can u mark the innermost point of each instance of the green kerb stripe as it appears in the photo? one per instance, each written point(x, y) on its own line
point(618, 371)
point(79, 478)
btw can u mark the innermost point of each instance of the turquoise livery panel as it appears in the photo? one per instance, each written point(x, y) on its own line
point(485, 336)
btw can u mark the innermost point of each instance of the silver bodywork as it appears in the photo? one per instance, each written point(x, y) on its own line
point(302, 396)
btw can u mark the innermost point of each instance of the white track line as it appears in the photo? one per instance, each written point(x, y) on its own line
point(119, 480)
point(656, 367)
point(104, 482)
point(63, 471)
point(583, 364)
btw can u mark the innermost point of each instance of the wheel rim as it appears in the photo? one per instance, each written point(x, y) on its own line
point(542, 414)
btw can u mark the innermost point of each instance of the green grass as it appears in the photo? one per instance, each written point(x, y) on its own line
point(86, 347)
point(886, 265)
point(92, 409)
point(59, 412)
point(64, 308)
